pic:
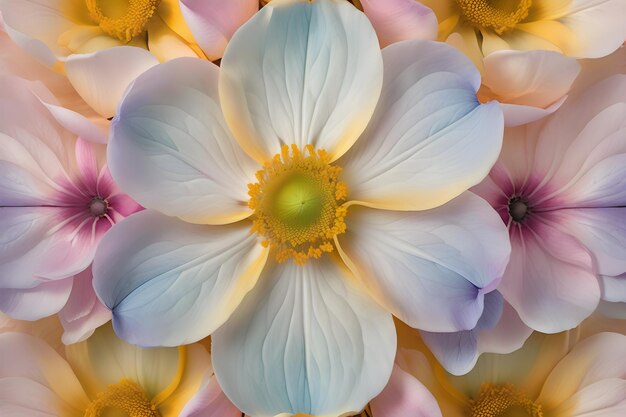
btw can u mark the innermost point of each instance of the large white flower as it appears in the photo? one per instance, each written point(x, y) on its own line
point(331, 235)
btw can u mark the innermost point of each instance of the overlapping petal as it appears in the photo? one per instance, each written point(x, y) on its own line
point(169, 282)
point(430, 268)
point(550, 280)
point(172, 151)
point(301, 72)
point(305, 340)
point(430, 139)
point(213, 22)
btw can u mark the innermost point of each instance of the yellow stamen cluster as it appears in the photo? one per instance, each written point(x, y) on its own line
point(123, 19)
point(297, 204)
point(500, 16)
point(124, 398)
point(498, 400)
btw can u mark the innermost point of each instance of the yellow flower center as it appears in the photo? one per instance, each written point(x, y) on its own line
point(122, 19)
point(503, 401)
point(498, 15)
point(124, 399)
point(297, 204)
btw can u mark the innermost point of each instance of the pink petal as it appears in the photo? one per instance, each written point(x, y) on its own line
point(518, 114)
point(550, 280)
point(87, 162)
point(213, 22)
point(399, 20)
point(405, 396)
point(210, 401)
point(35, 303)
point(83, 312)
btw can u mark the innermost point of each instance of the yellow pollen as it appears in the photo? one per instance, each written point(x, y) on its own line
point(503, 401)
point(498, 15)
point(122, 19)
point(126, 399)
point(297, 204)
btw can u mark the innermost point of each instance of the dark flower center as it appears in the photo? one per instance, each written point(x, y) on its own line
point(518, 209)
point(98, 207)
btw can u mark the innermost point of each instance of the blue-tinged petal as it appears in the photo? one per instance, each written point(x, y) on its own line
point(429, 268)
point(429, 139)
point(303, 72)
point(458, 351)
point(169, 282)
point(305, 340)
point(171, 150)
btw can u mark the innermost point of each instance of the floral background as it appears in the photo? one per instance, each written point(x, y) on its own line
point(382, 208)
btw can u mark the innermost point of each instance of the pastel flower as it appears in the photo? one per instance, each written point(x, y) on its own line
point(55, 29)
point(57, 200)
point(499, 330)
point(559, 187)
point(325, 229)
point(541, 379)
point(576, 28)
point(528, 84)
point(103, 376)
point(52, 88)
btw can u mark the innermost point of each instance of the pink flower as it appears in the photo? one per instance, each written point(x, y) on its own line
point(57, 200)
point(559, 186)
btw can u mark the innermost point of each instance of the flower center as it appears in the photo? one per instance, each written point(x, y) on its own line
point(98, 207)
point(122, 19)
point(297, 204)
point(518, 209)
point(498, 15)
point(503, 401)
point(124, 399)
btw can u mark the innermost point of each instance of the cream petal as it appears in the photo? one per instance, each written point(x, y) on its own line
point(430, 139)
point(165, 44)
point(301, 72)
point(594, 366)
point(36, 367)
point(105, 359)
point(597, 26)
point(36, 25)
point(305, 340)
point(170, 135)
point(169, 282)
point(101, 80)
point(432, 268)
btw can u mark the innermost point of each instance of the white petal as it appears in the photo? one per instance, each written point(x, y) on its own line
point(38, 302)
point(430, 139)
point(171, 150)
point(305, 340)
point(169, 282)
point(614, 288)
point(431, 269)
point(101, 80)
point(507, 336)
point(301, 72)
